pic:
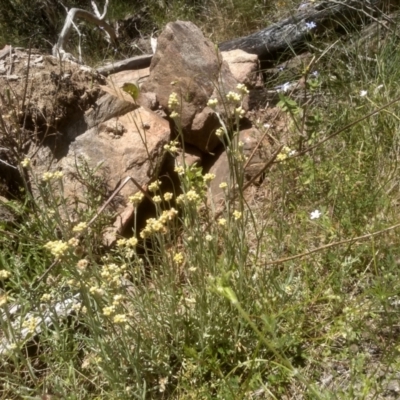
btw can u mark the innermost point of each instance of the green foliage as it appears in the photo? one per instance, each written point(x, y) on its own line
point(132, 89)
point(292, 291)
point(23, 22)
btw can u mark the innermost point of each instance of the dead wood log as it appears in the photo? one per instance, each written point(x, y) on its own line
point(292, 33)
point(137, 62)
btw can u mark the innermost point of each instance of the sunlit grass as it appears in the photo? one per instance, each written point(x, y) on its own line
point(292, 292)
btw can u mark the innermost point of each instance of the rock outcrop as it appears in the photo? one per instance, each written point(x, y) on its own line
point(103, 128)
point(190, 65)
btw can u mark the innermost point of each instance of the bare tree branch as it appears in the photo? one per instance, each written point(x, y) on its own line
point(97, 12)
point(73, 13)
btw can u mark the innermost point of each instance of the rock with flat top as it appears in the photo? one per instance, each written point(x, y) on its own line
point(245, 67)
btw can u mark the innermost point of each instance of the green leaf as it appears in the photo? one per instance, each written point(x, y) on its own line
point(132, 89)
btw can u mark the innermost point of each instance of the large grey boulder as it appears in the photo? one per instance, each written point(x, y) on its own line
point(191, 66)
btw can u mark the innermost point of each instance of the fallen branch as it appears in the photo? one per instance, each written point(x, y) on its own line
point(137, 62)
point(293, 33)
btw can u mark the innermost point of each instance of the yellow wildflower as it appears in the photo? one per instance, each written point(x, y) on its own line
point(26, 162)
point(237, 215)
point(58, 248)
point(107, 311)
point(157, 199)
point(178, 258)
point(173, 101)
point(208, 177)
point(80, 227)
point(120, 319)
point(168, 196)
point(136, 198)
point(4, 274)
point(154, 186)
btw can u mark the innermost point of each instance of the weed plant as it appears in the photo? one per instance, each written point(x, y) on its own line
point(293, 293)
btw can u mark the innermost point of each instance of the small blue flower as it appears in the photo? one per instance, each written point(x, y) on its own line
point(311, 25)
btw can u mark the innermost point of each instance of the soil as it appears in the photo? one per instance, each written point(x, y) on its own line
point(54, 89)
point(39, 94)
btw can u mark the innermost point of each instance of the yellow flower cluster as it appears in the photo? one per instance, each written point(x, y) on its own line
point(157, 199)
point(241, 88)
point(178, 258)
point(4, 274)
point(153, 226)
point(173, 101)
point(127, 245)
point(212, 103)
point(236, 98)
point(26, 162)
point(109, 310)
point(284, 154)
point(154, 186)
point(131, 242)
point(168, 215)
point(73, 242)
point(3, 300)
point(117, 299)
point(58, 248)
point(239, 112)
point(168, 196)
point(136, 198)
point(98, 291)
point(80, 227)
point(120, 319)
point(180, 170)
point(237, 215)
point(191, 197)
point(52, 176)
point(208, 177)
point(46, 297)
point(220, 132)
point(117, 318)
point(233, 97)
point(82, 265)
point(158, 225)
point(112, 273)
point(31, 324)
point(172, 146)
